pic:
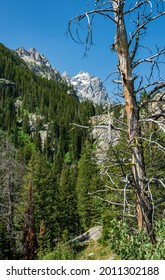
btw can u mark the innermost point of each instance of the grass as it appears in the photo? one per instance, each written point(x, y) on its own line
point(92, 250)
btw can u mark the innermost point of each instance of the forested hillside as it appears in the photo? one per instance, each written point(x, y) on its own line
point(53, 186)
point(39, 152)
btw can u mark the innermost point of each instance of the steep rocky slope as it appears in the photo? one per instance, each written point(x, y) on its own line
point(86, 86)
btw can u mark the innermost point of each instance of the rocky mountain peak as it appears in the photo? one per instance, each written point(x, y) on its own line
point(66, 77)
point(32, 56)
point(38, 63)
point(86, 86)
point(89, 87)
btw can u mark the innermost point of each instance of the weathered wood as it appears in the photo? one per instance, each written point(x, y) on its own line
point(126, 50)
point(6, 82)
point(143, 200)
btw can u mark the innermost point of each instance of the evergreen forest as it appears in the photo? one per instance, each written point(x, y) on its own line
point(52, 186)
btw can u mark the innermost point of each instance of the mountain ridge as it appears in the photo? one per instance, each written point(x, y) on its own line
point(88, 87)
point(85, 85)
point(38, 63)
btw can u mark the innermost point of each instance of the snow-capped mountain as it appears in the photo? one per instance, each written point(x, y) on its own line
point(86, 86)
point(38, 63)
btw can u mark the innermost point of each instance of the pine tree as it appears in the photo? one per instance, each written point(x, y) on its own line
point(11, 172)
point(25, 124)
point(87, 183)
point(45, 195)
point(29, 229)
point(68, 201)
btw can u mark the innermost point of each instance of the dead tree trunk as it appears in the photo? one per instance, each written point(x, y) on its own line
point(143, 201)
point(143, 12)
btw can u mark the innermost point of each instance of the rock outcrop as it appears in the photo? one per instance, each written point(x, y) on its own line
point(38, 63)
point(94, 233)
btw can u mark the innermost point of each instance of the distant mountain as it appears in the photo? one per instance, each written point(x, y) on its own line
point(38, 63)
point(86, 86)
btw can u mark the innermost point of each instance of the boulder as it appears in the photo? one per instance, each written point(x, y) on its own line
point(94, 233)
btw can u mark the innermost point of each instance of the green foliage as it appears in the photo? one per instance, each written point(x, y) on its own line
point(93, 250)
point(4, 248)
point(62, 251)
point(155, 166)
point(45, 194)
point(66, 180)
point(29, 230)
point(33, 105)
point(88, 181)
point(68, 157)
point(134, 245)
point(26, 125)
point(44, 245)
point(11, 172)
point(68, 216)
point(46, 99)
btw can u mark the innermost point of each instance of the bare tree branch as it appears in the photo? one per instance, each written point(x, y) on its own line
point(150, 59)
point(154, 142)
point(6, 82)
point(160, 201)
point(142, 26)
point(143, 13)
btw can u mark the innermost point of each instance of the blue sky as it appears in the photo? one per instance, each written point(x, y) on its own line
point(43, 23)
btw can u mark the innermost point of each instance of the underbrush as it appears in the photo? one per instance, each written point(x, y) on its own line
point(134, 245)
point(62, 251)
point(125, 243)
point(89, 250)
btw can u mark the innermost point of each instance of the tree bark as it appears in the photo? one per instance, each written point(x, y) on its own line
point(143, 199)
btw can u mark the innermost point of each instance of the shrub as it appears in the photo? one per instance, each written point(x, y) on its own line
point(135, 245)
point(62, 251)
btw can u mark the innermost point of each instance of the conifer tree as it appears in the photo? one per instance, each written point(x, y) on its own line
point(68, 201)
point(45, 195)
point(11, 172)
point(29, 229)
point(25, 124)
point(88, 182)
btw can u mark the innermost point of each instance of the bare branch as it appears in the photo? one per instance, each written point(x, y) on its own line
point(152, 100)
point(138, 4)
point(142, 26)
point(149, 59)
point(6, 82)
point(81, 126)
point(158, 123)
point(154, 142)
point(157, 86)
point(159, 181)
point(157, 116)
point(97, 127)
point(117, 81)
point(77, 19)
point(160, 201)
point(126, 50)
point(109, 201)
